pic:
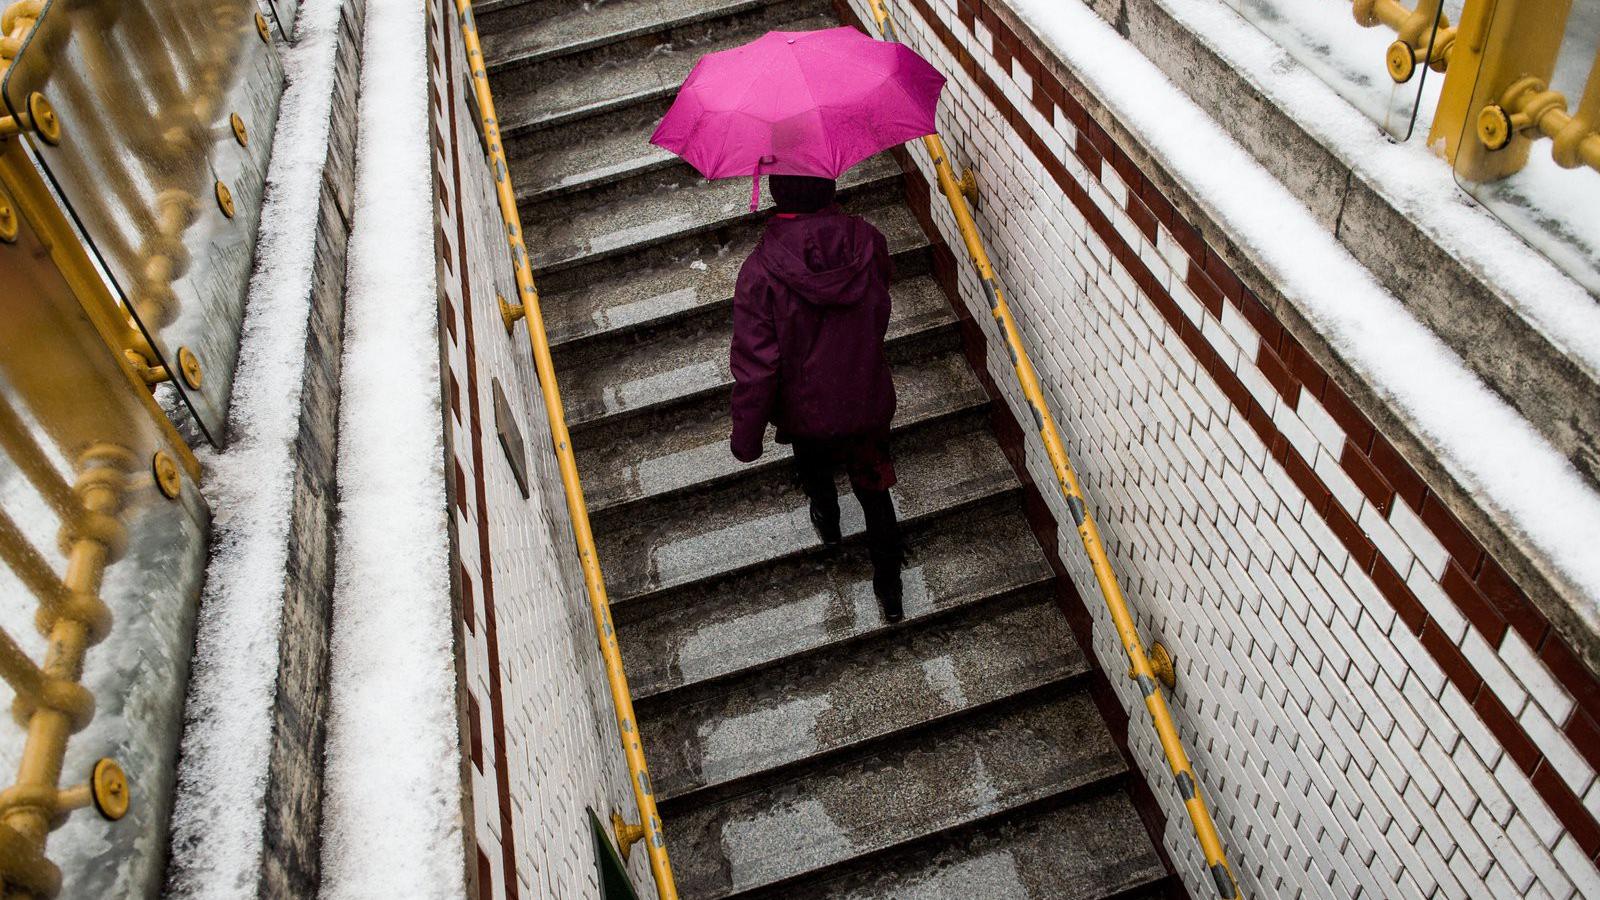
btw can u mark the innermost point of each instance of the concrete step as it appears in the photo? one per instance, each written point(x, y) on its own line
point(496, 16)
point(581, 28)
point(653, 456)
point(661, 205)
point(699, 278)
point(730, 629)
point(1090, 850)
point(639, 70)
point(591, 153)
point(951, 776)
point(742, 732)
point(762, 519)
point(605, 382)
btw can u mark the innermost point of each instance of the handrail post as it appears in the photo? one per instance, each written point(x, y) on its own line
point(594, 582)
point(1504, 44)
point(1067, 480)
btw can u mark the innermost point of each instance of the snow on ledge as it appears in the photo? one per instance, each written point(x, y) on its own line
point(217, 820)
point(392, 815)
point(1495, 453)
point(1410, 176)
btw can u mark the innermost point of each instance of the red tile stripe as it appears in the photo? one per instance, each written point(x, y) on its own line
point(1477, 584)
point(479, 501)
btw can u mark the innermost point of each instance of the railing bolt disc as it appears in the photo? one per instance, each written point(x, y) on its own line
point(8, 220)
point(225, 199)
point(1494, 127)
point(168, 478)
point(108, 785)
point(189, 367)
point(1161, 665)
point(1401, 60)
point(43, 117)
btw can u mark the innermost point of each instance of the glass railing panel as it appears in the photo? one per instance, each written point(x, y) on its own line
point(166, 110)
point(81, 510)
point(1325, 37)
point(284, 12)
point(1555, 209)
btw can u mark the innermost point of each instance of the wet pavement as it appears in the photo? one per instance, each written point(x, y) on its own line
point(762, 519)
point(875, 801)
point(684, 447)
point(824, 702)
point(808, 603)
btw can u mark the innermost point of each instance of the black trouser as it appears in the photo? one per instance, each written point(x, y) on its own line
point(871, 468)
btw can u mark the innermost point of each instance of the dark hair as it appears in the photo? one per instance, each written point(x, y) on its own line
point(801, 193)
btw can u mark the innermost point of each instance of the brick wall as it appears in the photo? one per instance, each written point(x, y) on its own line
point(1374, 708)
point(540, 736)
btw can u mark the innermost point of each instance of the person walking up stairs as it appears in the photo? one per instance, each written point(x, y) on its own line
point(810, 313)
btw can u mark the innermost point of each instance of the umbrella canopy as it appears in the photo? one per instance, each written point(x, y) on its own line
point(799, 103)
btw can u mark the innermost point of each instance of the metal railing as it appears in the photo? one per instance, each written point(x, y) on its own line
point(1497, 100)
point(1145, 668)
point(649, 826)
point(129, 192)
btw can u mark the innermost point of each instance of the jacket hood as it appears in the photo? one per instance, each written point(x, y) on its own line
point(823, 257)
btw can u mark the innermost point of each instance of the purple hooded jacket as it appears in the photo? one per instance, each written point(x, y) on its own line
point(809, 316)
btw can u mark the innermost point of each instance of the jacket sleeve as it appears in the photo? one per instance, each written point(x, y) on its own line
point(885, 263)
point(754, 361)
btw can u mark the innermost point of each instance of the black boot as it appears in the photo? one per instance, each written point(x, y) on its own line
point(817, 481)
point(883, 546)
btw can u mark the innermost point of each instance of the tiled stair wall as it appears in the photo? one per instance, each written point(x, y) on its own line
point(1373, 704)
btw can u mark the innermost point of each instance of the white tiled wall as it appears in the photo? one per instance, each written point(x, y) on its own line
point(1339, 759)
point(562, 751)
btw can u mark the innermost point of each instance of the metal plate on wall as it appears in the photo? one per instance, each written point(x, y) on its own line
point(69, 413)
point(166, 111)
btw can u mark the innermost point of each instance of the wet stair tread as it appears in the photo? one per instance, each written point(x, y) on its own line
point(756, 521)
point(946, 777)
point(585, 26)
point(1087, 850)
point(660, 206)
point(691, 358)
point(653, 74)
point(599, 159)
point(807, 603)
point(826, 702)
point(703, 276)
point(650, 456)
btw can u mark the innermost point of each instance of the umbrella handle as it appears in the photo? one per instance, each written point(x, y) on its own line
point(755, 182)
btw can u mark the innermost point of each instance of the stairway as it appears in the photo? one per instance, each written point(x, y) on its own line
point(799, 747)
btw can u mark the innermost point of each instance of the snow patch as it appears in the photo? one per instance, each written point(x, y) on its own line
point(392, 816)
point(217, 819)
point(1496, 453)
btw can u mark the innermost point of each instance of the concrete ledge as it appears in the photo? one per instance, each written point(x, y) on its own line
point(291, 841)
point(1448, 294)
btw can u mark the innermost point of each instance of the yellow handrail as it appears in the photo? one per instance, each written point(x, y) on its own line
point(1140, 669)
point(650, 821)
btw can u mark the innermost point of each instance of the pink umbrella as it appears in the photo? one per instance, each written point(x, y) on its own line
point(799, 103)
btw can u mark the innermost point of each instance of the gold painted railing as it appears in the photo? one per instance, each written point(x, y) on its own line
point(129, 192)
point(1497, 99)
point(649, 826)
point(1140, 669)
